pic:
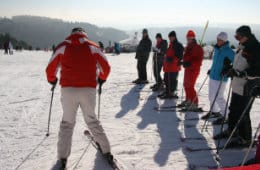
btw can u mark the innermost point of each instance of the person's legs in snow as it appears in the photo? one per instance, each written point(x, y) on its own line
point(70, 106)
point(87, 104)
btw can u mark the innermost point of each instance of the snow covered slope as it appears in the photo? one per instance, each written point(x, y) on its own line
point(141, 138)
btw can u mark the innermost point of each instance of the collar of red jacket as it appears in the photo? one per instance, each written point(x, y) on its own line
point(77, 38)
point(191, 45)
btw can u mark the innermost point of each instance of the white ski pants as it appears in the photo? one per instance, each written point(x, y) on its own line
point(220, 103)
point(71, 100)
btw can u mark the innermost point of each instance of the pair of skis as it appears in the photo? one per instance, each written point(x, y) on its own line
point(114, 164)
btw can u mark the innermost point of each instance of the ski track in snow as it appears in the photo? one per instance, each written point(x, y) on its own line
point(141, 138)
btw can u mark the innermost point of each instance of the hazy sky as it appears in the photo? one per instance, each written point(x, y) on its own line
point(129, 14)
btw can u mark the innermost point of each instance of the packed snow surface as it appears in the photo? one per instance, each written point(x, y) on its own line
point(141, 138)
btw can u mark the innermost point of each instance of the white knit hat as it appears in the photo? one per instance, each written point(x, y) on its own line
point(223, 36)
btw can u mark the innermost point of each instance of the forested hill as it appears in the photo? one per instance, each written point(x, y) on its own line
point(42, 32)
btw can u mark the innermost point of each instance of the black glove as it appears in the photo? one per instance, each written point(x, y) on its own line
point(53, 83)
point(227, 65)
point(186, 64)
point(101, 82)
point(227, 62)
point(208, 73)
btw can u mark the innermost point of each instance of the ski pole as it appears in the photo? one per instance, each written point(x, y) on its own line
point(204, 81)
point(251, 145)
point(49, 117)
point(204, 32)
point(222, 124)
point(152, 71)
point(238, 123)
point(99, 99)
point(156, 68)
point(212, 105)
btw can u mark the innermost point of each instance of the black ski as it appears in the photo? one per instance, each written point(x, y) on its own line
point(199, 110)
point(190, 149)
point(165, 110)
point(190, 119)
point(166, 107)
point(114, 165)
point(183, 139)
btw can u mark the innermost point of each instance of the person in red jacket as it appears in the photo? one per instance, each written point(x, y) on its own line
point(81, 64)
point(192, 61)
point(171, 66)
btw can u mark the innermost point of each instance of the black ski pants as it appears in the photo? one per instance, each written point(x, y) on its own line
point(171, 81)
point(237, 106)
point(141, 69)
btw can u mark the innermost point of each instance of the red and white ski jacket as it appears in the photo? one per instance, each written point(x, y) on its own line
point(80, 61)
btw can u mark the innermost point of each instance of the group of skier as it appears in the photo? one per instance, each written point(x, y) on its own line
point(170, 59)
point(242, 66)
point(79, 59)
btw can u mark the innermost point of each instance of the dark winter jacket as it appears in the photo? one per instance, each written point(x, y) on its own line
point(143, 49)
point(173, 56)
point(247, 61)
point(251, 52)
point(162, 48)
point(193, 55)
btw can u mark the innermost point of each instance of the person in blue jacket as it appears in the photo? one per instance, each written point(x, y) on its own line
point(222, 61)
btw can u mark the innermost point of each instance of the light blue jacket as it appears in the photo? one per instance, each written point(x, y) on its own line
point(218, 61)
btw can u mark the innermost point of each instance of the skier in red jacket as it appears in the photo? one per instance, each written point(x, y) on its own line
point(171, 66)
point(192, 61)
point(81, 64)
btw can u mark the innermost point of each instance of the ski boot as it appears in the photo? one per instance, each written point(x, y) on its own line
point(211, 115)
point(60, 165)
point(183, 104)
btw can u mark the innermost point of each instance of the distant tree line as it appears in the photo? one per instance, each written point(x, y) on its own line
point(17, 44)
point(43, 32)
